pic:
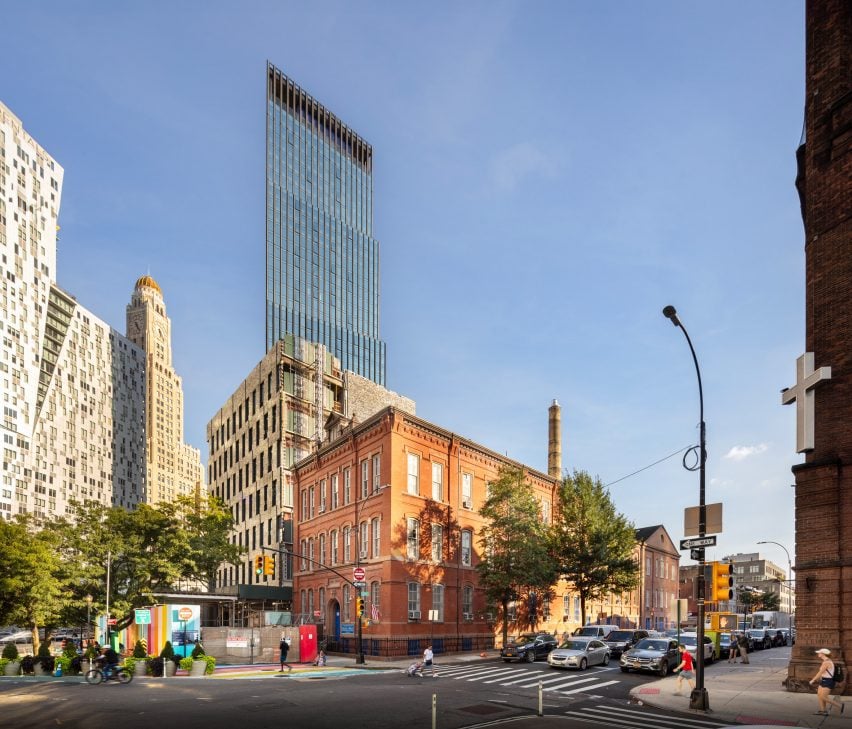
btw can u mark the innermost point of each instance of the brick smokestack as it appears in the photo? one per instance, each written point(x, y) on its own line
point(554, 441)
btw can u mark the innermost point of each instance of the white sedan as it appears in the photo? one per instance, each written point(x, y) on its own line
point(579, 653)
point(690, 640)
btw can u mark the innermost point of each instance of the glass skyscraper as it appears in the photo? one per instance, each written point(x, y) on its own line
point(322, 262)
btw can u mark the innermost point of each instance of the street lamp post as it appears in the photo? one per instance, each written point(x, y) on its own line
point(699, 698)
point(789, 573)
point(89, 600)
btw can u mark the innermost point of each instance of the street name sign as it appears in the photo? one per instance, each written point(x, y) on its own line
point(142, 617)
point(698, 542)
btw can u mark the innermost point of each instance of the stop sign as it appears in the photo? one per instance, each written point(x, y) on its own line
point(358, 574)
point(185, 613)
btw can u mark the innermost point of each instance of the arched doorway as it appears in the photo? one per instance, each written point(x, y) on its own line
point(333, 622)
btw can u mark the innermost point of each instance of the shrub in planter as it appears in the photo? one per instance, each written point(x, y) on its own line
point(186, 663)
point(198, 650)
point(44, 661)
point(63, 664)
point(10, 652)
point(12, 667)
point(211, 664)
point(139, 650)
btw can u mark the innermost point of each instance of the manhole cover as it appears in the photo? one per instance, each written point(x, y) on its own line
point(482, 709)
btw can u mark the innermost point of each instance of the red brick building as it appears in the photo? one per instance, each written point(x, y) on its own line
point(399, 497)
point(824, 481)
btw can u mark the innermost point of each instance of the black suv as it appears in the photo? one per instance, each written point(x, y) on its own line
point(622, 640)
point(528, 647)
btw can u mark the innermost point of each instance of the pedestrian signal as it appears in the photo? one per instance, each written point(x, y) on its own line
point(258, 564)
point(269, 566)
point(723, 582)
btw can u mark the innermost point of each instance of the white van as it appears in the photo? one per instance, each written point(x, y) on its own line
point(595, 631)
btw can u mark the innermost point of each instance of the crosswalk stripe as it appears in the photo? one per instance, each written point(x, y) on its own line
point(500, 672)
point(557, 679)
point(515, 671)
point(680, 721)
point(587, 688)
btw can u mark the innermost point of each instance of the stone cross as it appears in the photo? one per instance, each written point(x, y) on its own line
point(803, 393)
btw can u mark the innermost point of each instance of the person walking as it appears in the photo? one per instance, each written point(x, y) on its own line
point(685, 669)
point(825, 676)
point(742, 644)
point(733, 648)
point(283, 649)
point(428, 662)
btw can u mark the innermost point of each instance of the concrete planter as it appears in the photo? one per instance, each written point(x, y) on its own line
point(198, 668)
point(170, 668)
point(12, 668)
point(38, 670)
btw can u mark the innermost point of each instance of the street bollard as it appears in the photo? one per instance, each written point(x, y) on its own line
point(434, 711)
point(540, 701)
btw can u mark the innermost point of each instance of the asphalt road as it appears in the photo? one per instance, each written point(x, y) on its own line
point(465, 695)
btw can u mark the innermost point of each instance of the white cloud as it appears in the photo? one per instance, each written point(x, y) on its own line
point(519, 161)
point(740, 453)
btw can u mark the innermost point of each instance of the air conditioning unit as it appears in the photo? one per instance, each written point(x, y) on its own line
point(414, 615)
point(467, 616)
point(467, 503)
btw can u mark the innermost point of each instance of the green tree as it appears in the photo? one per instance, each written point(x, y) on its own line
point(31, 589)
point(593, 544)
point(753, 600)
point(515, 561)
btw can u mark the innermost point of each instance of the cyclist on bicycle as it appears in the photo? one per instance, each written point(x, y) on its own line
point(109, 660)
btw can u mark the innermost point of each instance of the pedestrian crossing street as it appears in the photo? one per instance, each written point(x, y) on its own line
point(524, 677)
point(637, 717)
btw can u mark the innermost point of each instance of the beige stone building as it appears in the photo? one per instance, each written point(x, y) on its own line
point(289, 404)
point(173, 467)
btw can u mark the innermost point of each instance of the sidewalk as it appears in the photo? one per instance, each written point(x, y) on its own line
point(746, 694)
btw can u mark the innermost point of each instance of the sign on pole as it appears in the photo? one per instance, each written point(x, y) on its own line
point(142, 617)
point(698, 542)
point(358, 574)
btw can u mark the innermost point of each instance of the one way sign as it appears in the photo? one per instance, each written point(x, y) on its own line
point(698, 542)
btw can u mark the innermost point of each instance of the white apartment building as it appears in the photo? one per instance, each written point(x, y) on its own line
point(174, 467)
point(73, 388)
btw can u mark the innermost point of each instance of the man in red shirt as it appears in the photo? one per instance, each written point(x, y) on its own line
point(685, 669)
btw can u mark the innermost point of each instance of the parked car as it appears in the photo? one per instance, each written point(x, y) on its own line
point(789, 636)
point(579, 652)
point(761, 638)
point(659, 655)
point(594, 631)
point(778, 637)
point(690, 640)
point(528, 647)
point(622, 640)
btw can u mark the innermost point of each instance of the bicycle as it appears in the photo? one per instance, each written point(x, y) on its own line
point(119, 673)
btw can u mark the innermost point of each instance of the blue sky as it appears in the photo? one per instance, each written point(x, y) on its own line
point(548, 176)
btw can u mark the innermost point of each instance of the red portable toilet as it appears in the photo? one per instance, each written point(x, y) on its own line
point(307, 643)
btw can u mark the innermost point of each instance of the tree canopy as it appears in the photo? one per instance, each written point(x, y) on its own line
point(47, 573)
point(592, 543)
point(515, 561)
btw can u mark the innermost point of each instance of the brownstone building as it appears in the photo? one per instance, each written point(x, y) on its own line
point(400, 498)
point(824, 480)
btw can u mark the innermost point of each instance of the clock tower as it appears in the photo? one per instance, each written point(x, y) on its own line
point(174, 468)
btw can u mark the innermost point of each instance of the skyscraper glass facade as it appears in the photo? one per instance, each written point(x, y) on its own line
point(322, 262)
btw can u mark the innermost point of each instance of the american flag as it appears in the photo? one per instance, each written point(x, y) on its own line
point(375, 613)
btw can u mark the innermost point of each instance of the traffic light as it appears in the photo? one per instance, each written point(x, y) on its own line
point(359, 607)
point(723, 582)
point(269, 566)
point(258, 564)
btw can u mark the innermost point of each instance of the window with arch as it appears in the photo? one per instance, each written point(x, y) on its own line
point(466, 547)
point(332, 538)
point(438, 602)
point(412, 532)
point(303, 549)
point(365, 478)
point(437, 542)
point(437, 482)
point(311, 553)
point(347, 485)
point(347, 544)
point(377, 472)
point(321, 603)
point(376, 536)
point(363, 539)
point(413, 474)
point(304, 600)
point(310, 601)
point(322, 554)
point(335, 491)
point(347, 604)
point(375, 599)
point(467, 599)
